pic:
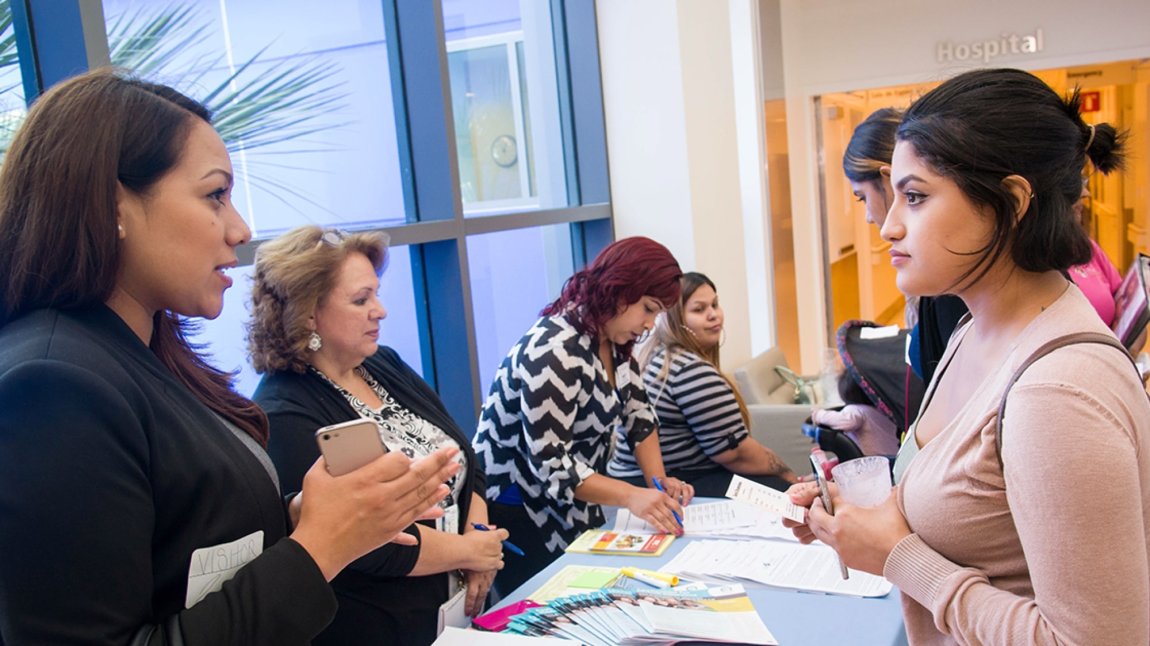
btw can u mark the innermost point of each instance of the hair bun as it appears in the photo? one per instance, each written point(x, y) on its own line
point(1104, 146)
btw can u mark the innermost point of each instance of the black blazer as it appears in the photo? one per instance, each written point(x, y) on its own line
point(111, 474)
point(378, 603)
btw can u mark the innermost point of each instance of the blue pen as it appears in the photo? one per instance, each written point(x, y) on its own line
point(659, 486)
point(508, 544)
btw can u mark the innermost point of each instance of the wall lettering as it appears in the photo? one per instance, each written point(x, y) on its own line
point(988, 50)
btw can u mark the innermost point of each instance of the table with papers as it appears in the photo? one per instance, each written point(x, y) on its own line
point(793, 617)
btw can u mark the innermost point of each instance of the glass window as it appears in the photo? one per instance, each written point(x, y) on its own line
point(514, 275)
point(12, 104)
point(225, 338)
point(504, 98)
point(302, 98)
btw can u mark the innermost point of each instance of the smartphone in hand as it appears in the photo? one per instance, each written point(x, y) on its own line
point(820, 468)
point(348, 446)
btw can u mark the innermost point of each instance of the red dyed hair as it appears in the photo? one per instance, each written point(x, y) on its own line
point(624, 272)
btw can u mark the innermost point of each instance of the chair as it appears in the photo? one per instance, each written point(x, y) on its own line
point(776, 420)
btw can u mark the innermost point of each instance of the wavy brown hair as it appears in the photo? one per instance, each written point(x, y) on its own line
point(293, 275)
point(672, 335)
point(83, 140)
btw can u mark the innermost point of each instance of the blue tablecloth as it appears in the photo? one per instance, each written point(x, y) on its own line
point(795, 618)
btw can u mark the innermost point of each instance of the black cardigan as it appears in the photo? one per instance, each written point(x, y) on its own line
point(111, 474)
point(378, 603)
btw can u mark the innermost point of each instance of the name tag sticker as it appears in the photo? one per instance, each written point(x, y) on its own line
point(449, 522)
point(212, 566)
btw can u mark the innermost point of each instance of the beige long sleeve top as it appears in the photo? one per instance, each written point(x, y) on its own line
point(1054, 547)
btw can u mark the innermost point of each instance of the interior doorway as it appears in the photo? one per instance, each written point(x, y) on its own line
point(860, 279)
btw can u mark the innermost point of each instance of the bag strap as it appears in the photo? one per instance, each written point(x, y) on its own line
point(1042, 351)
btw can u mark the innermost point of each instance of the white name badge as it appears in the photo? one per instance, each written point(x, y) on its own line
point(212, 566)
point(449, 521)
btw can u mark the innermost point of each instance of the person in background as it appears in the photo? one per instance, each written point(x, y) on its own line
point(986, 538)
point(866, 164)
point(864, 423)
point(1098, 278)
point(314, 335)
point(703, 422)
point(137, 504)
point(545, 431)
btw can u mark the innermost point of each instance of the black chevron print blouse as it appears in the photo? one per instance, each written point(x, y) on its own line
point(547, 425)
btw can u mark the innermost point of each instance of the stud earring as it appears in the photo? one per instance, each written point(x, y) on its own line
point(120, 228)
point(314, 343)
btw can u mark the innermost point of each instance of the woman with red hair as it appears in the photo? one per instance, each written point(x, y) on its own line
point(545, 431)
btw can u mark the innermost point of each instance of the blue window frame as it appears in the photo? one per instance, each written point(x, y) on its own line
point(386, 152)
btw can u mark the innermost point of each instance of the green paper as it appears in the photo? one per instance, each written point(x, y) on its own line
point(594, 579)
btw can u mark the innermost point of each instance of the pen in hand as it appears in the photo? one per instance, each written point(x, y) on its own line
point(659, 486)
point(511, 547)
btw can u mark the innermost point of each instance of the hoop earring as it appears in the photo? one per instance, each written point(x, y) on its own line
point(690, 331)
point(722, 336)
point(314, 343)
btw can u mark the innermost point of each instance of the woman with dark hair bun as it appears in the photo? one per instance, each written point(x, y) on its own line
point(994, 535)
point(544, 435)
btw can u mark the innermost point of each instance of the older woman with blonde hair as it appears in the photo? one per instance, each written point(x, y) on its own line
point(703, 421)
point(314, 335)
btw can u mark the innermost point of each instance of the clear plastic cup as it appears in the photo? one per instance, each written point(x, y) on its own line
point(864, 482)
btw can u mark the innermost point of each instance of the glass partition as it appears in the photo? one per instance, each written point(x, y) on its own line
point(504, 97)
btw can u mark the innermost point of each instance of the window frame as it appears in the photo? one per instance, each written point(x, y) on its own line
point(60, 39)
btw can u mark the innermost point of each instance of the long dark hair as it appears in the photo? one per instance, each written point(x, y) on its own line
point(982, 126)
point(624, 272)
point(58, 211)
point(871, 146)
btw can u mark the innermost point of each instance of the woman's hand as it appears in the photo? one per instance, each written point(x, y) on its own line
point(803, 495)
point(678, 490)
point(487, 549)
point(478, 583)
point(656, 508)
point(483, 551)
point(342, 518)
point(862, 536)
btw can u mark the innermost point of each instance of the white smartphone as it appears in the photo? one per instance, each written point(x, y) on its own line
point(348, 446)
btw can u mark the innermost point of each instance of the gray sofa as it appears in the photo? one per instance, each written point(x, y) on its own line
point(776, 421)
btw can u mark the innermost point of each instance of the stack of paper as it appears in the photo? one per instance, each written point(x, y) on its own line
point(775, 563)
point(609, 617)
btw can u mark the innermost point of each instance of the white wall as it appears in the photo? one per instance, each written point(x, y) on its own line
point(679, 173)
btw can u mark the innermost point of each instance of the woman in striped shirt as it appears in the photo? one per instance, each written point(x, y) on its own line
point(703, 421)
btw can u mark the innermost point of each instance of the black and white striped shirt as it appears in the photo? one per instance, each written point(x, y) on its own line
point(547, 424)
point(697, 411)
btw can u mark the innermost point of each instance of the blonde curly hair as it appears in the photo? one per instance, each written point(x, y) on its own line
point(293, 275)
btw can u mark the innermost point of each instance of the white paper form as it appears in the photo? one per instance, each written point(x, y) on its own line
point(763, 496)
point(787, 565)
point(701, 518)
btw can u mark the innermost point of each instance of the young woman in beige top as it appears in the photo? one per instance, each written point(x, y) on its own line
point(1044, 539)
